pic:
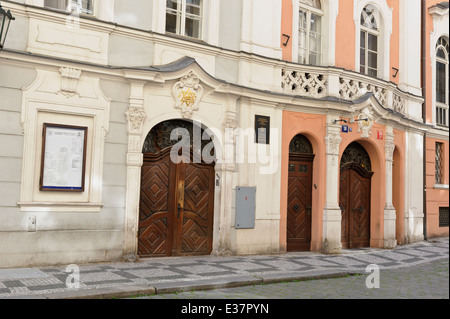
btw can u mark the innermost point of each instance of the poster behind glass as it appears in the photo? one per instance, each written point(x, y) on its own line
point(63, 160)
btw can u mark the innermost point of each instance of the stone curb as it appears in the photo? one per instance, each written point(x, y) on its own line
point(206, 284)
point(100, 293)
point(196, 285)
point(295, 276)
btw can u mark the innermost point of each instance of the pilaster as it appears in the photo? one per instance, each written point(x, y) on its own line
point(332, 212)
point(390, 240)
point(135, 117)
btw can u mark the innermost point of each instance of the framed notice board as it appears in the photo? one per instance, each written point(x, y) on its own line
point(262, 129)
point(63, 159)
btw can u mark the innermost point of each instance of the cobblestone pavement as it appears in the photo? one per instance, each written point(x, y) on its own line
point(425, 281)
point(183, 271)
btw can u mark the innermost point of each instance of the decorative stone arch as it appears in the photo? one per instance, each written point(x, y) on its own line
point(318, 188)
point(205, 125)
point(175, 79)
point(134, 183)
point(377, 194)
point(196, 175)
point(385, 23)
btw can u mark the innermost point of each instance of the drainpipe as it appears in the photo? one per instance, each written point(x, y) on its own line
point(424, 113)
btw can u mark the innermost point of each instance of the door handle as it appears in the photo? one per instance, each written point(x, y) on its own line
point(179, 209)
point(308, 210)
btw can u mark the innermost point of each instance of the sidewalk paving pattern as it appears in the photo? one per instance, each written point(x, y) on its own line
point(164, 275)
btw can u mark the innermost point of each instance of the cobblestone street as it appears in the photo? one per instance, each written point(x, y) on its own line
point(424, 281)
point(418, 270)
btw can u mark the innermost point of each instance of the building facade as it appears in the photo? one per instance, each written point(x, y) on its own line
point(197, 127)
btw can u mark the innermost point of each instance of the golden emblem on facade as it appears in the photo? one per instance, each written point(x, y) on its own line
point(187, 97)
point(187, 93)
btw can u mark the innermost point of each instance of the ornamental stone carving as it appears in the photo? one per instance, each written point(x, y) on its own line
point(399, 104)
point(135, 117)
point(333, 139)
point(230, 121)
point(389, 147)
point(352, 89)
point(69, 80)
point(333, 142)
point(187, 94)
point(365, 122)
point(304, 84)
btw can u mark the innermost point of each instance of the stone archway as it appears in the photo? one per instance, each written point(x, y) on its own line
point(355, 196)
point(299, 205)
point(176, 206)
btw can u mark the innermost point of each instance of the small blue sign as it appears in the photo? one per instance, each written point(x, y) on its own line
point(344, 128)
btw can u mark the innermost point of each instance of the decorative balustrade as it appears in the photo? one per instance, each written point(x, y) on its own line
point(304, 83)
point(350, 89)
point(315, 83)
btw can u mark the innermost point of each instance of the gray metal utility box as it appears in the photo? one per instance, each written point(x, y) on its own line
point(245, 207)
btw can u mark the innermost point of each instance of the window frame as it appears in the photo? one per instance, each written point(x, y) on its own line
point(439, 163)
point(385, 24)
point(181, 15)
point(376, 33)
point(442, 109)
point(78, 9)
point(319, 12)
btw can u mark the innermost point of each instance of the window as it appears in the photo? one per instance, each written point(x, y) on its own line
point(77, 6)
point(310, 32)
point(443, 216)
point(369, 43)
point(184, 17)
point(442, 82)
point(439, 162)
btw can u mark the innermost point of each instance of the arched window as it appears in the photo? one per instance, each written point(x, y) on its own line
point(356, 153)
point(310, 32)
point(300, 145)
point(369, 41)
point(442, 81)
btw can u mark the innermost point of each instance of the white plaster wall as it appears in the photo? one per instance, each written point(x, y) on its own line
point(414, 186)
point(59, 237)
point(264, 173)
point(261, 27)
point(410, 46)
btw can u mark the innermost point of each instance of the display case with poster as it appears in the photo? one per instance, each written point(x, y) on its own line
point(63, 161)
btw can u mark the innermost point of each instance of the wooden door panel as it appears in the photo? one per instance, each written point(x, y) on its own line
point(354, 200)
point(298, 230)
point(176, 207)
point(155, 209)
point(360, 190)
point(153, 239)
point(343, 195)
point(297, 204)
point(198, 209)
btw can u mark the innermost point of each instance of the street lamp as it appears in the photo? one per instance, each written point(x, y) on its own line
point(5, 20)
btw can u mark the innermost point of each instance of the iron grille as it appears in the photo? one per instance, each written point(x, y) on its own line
point(443, 216)
point(439, 163)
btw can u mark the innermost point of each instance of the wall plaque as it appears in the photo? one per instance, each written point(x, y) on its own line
point(262, 129)
point(63, 159)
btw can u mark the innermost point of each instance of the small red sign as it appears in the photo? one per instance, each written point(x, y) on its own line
point(380, 135)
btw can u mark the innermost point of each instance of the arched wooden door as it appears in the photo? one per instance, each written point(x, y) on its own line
point(177, 200)
point(299, 195)
point(354, 197)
